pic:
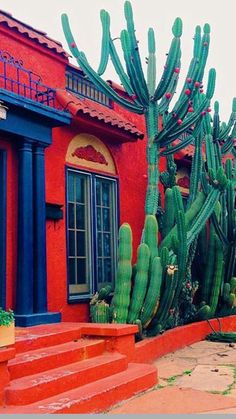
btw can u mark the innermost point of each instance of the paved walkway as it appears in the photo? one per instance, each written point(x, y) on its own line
point(200, 378)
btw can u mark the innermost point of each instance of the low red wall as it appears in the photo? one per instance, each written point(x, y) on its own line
point(179, 337)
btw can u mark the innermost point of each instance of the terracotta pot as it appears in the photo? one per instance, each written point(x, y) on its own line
point(7, 335)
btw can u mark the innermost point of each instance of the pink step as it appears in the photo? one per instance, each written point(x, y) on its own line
point(97, 396)
point(39, 360)
point(26, 390)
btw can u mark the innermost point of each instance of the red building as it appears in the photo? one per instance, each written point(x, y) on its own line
point(73, 168)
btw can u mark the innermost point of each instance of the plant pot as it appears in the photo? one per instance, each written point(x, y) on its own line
point(7, 335)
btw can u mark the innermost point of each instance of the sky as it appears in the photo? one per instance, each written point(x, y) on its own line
point(84, 16)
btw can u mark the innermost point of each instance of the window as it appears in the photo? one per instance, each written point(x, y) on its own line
point(91, 232)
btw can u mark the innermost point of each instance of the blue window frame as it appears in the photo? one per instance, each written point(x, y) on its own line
point(91, 232)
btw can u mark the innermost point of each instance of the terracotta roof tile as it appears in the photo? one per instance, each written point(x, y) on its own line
point(32, 33)
point(78, 105)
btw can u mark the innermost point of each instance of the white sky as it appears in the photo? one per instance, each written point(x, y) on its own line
point(85, 22)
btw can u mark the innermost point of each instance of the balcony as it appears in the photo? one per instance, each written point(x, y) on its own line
point(15, 78)
point(80, 86)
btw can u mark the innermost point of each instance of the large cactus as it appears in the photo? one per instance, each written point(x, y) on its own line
point(148, 97)
point(160, 282)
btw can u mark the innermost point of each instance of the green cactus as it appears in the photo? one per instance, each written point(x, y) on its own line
point(152, 299)
point(121, 299)
point(100, 312)
point(140, 283)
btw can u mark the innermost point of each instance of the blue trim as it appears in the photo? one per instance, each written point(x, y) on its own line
point(55, 116)
point(36, 319)
point(24, 288)
point(40, 271)
point(3, 221)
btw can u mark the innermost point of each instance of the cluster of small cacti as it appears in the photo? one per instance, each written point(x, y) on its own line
point(163, 289)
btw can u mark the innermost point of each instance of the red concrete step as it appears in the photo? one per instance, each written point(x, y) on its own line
point(23, 391)
point(39, 360)
point(95, 397)
point(42, 336)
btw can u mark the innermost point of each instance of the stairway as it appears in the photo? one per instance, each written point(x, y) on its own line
point(61, 371)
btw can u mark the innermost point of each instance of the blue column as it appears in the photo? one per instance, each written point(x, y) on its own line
point(24, 286)
point(3, 222)
point(40, 271)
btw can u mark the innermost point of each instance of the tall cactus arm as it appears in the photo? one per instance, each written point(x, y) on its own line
point(177, 200)
point(226, 130)
point(151, 70)
point(166, 100)
point(105, 20)
point(134, 47)
point(209, 269)
point(218, 276)
point(210, 155)
point(121, 299)
point(216, 122)
point(204, 51)
point(195, 176)
point(151, 200)
point(151, 235)
point(180, 146)
point(169, 214)
point(124, 79)
point(171, 62)
point(152, 299)
point(97, 80)
point(131, 69)
point(140, 283)
point(230, 199)
point(193, 118)
point(203, 215)
point(176, 130)
point(181, 254)
point(181, 105)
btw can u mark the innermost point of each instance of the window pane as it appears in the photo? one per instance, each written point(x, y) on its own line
point(98, 192)
point(80, 189)
point(99, 219)
point(71, 243)
point(106, 219)
point(99, 236)
point(81, 271)
point(70, 187)
point(105, 194)
point(80, 220)
point(107, 270)
point(106, 244)
point(100, 275)
point(80, 236)
point(71, 269)
point(71, 219)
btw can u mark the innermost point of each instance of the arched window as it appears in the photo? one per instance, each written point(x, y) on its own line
point(91, 216)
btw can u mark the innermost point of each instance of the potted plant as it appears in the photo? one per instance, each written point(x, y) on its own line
point(7, 327)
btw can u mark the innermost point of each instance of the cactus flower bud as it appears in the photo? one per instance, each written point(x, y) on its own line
point(187, 92)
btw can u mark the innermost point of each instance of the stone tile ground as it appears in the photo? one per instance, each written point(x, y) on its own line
point(199, 378)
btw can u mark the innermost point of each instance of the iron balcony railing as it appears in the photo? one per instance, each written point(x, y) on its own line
point(79, 85)
point(15, 78)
